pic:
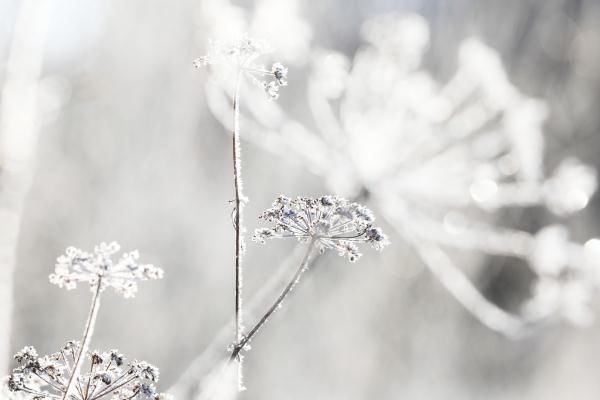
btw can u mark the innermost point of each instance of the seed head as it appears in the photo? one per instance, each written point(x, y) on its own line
point(230, 59)
point(79, 266)
point(333, 222)
point(107, 377)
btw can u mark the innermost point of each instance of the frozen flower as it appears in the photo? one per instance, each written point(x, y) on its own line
point(332, 222)
point(241, 52)
point(98, 267)
point(27, 354)
point(145, 370)
point(239, 57)
point(107, 376)
point(280, 73)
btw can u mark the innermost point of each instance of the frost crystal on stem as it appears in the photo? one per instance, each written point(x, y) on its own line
point(108, 376)
point(232, 62)
point(99, 268)
point(333, 222)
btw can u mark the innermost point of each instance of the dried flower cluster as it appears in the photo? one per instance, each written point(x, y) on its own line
point(79, 266)
point(333, 222)
point(239, 57)
point(108, 376)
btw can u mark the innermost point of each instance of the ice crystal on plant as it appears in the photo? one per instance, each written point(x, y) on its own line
point(239, 57)
point(280, 73)
point(333, 222)
point(108, 376)
point(77, 266)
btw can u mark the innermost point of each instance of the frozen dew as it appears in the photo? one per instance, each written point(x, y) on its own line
point(333, 222)
point(77, 266)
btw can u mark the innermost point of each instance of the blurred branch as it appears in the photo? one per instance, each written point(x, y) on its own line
point(18, 136)
point(455, 281)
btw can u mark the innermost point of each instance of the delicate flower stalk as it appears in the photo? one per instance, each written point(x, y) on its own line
point(237, 59)
point(85, 340)
point(304, 266)
point(238, 221)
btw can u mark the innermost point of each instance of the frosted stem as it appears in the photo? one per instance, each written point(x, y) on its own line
point(85, 341)
point(237, 179)
point(284, 293)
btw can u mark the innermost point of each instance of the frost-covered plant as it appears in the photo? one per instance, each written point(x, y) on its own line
point(440, 159)
point(326, 222)
point(333, 223)
point(230, 62)
point(100, 271)
point(109, 376)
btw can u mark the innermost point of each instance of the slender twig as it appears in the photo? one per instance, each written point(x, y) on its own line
point(85, 341)
point(284, 293)
point(187, 380)
point(237, 179)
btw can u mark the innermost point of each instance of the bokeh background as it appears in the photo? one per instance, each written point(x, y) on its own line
point(110, 133)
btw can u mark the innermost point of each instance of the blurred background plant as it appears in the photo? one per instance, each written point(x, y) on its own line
point(469, 127)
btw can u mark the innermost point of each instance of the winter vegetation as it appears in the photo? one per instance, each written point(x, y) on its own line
point(347, 200)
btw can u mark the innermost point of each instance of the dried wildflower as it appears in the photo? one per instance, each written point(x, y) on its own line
point(79, 266)
point(332, 222)
point(280, 73)
point(107, 376)
point(239, 57)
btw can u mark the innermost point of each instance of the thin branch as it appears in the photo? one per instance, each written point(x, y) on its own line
point(286, 291)
point(187, 380)
point(85, 341)
point(237, 179)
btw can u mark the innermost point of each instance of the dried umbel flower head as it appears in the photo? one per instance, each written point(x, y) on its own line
point(332, 222)
point(98, 267)
point(232, 59)
point(108, 376)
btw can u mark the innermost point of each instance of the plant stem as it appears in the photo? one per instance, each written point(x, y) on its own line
point(85, 340)
point(284, 293)
point(237, 180)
